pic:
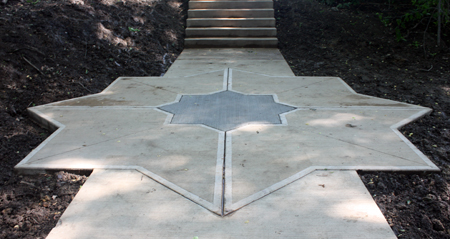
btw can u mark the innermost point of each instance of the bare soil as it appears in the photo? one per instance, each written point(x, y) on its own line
point(355, 45)
point(54, 50)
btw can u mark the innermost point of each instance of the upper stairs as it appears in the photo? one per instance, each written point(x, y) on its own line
point(231, 23)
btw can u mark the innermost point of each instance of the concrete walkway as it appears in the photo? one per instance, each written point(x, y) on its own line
point(228, 144)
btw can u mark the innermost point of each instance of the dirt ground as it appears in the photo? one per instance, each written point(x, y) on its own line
point(355, 45)
point(54, 50)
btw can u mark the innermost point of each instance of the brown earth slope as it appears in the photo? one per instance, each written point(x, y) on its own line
point(53, 50)
point(355, 45)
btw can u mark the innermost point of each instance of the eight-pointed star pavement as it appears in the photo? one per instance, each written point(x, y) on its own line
point(332, 128)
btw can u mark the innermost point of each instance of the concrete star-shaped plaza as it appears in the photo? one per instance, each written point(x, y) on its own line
point(226, 110)
point(128, 126)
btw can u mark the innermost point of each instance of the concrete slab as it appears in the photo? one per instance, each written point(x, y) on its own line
point(234, 13)
point(231, 22)
point(313, 92)
point(143, 161)
point(267, 61)
point(334, 127)
point(230, 32)
point(263, 156)
point(231, 4)
point(206, 42)
point(260, 153)
point(132, 138)
point(123, 204)
point(150, 91)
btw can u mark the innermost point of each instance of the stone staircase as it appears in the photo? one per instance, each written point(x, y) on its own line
point(230, 23)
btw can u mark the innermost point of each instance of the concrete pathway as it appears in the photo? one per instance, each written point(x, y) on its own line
point(124, 204)
point(228, 144)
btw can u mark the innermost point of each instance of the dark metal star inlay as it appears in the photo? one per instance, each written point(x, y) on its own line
point(226, 110)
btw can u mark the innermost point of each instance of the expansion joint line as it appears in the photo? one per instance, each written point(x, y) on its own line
point(228, 72)
point(228, 78)
point(223, 175)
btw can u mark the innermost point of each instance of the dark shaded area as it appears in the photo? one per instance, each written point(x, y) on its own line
point(55, 50)
point(355, 45)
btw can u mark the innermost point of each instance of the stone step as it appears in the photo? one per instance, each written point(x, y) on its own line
point(230, 22)
point(230, 13)
point(268, 42)
point(231, 32)
point(230, 5)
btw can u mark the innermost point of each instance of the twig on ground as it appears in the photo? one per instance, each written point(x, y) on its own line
point(27, 183)
point(33, 65)
point(84, 87)
point(426, 70)
point(34, 220)
point(29, 48)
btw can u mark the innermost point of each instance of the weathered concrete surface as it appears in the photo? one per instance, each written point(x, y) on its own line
point(206, 42)
point(154, 177)
point(123, 204)
point(231, 22)
point(307, 91)
point(230, 32)
point(235, 13)
point(322, 139)
point(231, 4)
point(259, 60)
point(127, 139)
point(150, 91)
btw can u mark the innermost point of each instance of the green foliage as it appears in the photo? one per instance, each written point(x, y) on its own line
point(384, 20)
point(133, 29)
point(415, 44)
point(423, 10)
point(345, 5)
point(33, 2)
point(436, 12)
